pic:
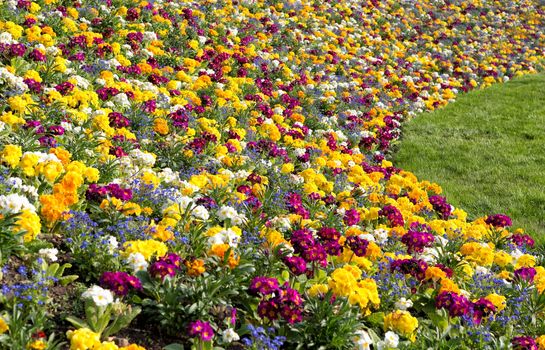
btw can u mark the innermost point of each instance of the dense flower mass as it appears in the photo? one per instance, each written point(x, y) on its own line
point(215, 174)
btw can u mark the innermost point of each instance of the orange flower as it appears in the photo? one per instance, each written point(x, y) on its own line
point(195, 268)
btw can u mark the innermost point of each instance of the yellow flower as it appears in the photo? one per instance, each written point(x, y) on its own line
point(497, 300)
point(219, 250)
point(3, 326)
point(435, 273)
point(502, 258)
point(52, 207)
point(91, 174)
point(107, 345)
point(447, 285)
point(28, 222)
point(50, 169)
point(83, 339)
point(318, 289)
point(160, 126)
point(37, 345)
point(147, 248)
point(11, 154)
point(401, 322)
point(525, 260)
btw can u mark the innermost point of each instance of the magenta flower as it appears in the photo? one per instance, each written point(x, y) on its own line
point(456, 305)
point(263, 286)
point(499, 220)
point(525, 274)
point(351, 217)
point(162, 269)
point(524, 343)
point(393, 215)
point(296, 264)
point(201, 329)
point(357, 245)
point(120, 282)
point(418, 237)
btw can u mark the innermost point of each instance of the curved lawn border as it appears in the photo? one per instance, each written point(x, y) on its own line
point(486, 150)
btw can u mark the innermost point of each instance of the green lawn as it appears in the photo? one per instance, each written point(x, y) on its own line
point(487, 151)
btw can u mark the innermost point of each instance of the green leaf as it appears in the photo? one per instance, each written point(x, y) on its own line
point(77, 322)
point(66, 280)
point(174, 346)
point(376, 318)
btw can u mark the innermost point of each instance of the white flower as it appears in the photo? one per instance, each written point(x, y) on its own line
point(200, 212)
point(49, 253)
point(227, 212)
point(391, 340)
point(15, 203)
point(121, 100)
point(112, 244)
point(137, 262)
point(229, 335)
point(381, 235)
point(403, 304)
point(99, 295)
point(362, 340)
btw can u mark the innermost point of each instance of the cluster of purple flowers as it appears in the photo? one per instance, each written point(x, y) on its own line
point(120, 282)
point(329, 237)
point(499, 220)
point(277, 301)
point(294, 203)
point(458, 305)
point(351, 217)
point(308, 247)
point(97, 193)
point(357, 245)
point(418, 237)
point(441, 206)
point(414, 267)
point(393, 215)
point(522, 240)
point(118, 120)
point(166, 266)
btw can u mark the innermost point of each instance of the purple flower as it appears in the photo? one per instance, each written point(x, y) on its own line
point(117, 120)
point(499, 220)
point(441, 206)
point(418, 237)
point(263, 286)
point(456, 305)
point(120, 282)
point(329, 233)
point(414, 267)
point(296, 264)
point(525, 274)
point(201, 329)
point(482, 308)
point(524, 343)
point(64, 88)
point(393, 215)
point(162, 269)
point(357, 245)
point(351, 217)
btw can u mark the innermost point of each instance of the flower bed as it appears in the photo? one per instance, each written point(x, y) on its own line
point(213, 174)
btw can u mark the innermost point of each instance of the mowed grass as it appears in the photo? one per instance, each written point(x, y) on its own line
point(487, 151)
